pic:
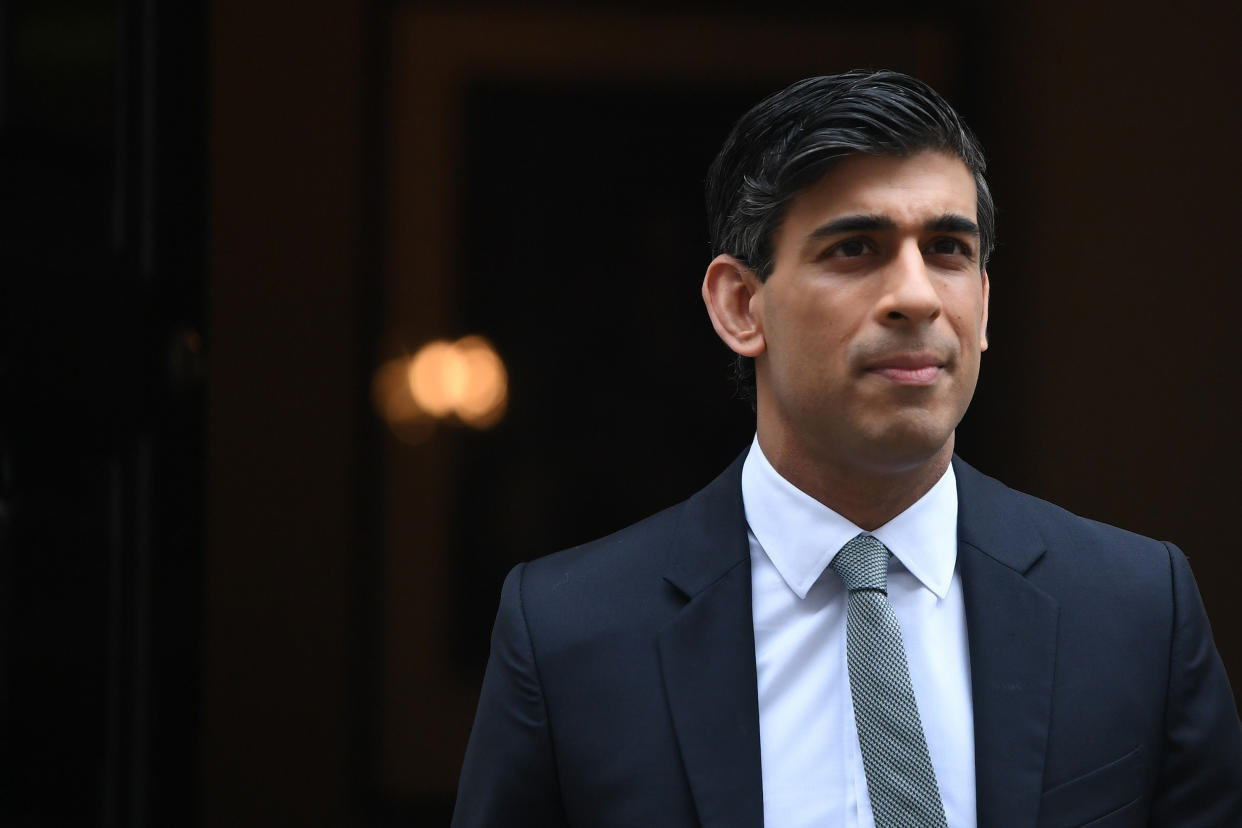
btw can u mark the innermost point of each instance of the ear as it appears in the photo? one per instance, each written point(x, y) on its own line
point(734, 298)
point(983, 324)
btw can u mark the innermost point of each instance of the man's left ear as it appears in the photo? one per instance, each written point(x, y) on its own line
point(983, 323)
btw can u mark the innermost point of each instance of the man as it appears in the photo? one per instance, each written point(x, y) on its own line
point(850, 626)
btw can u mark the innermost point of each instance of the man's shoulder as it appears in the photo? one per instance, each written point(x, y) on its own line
point(703, 534)
point(996, 495)
point(642, 545)
point(991, 515)
point(611, 589)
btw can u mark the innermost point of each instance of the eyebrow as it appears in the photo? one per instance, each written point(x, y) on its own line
point(853, 224)
point(952, 223)
point(946, 223)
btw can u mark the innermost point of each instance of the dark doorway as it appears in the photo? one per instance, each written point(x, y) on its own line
point(101, 444)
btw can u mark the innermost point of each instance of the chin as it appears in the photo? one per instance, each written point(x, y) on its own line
point(904, 446)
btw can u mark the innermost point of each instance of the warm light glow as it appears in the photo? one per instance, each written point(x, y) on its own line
point(390, 392)
point(436, 377)
point(465, 380)
point(485, 391)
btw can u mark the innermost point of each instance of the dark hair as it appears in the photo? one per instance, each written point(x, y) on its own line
point(790, 140)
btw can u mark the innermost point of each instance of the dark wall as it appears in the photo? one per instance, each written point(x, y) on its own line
point(102, 275)
point(1116, 155)
point(287, 86)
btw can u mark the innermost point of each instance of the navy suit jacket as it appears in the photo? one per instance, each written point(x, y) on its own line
point(621, 685)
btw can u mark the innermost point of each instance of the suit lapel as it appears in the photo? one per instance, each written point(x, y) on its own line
point(707, 654)
point(1012, 627)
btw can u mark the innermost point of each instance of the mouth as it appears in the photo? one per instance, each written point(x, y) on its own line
point(908, 369)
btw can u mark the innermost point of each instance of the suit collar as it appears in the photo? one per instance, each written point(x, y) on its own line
point(710, 538)
point(707, 653)
point(995, 519)
point(991, 517)
point(1012, 628)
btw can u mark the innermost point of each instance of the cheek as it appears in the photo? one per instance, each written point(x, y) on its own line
point(825, 320)
point(808, 335)
point(815, 341)
point(968, 321)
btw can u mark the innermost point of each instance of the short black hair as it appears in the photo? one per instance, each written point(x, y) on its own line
point(791, 139)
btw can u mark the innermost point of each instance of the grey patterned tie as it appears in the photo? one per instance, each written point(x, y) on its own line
point(900, 778)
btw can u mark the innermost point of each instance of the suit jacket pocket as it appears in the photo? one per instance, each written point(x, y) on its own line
point(1096, 794)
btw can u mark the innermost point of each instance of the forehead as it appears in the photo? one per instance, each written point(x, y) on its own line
point(909, 190)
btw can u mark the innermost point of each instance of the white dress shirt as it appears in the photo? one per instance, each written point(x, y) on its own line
point(812, 766)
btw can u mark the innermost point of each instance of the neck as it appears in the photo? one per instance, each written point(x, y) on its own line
point(868, 495)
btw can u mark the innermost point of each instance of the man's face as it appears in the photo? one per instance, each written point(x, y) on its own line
point(874, 316)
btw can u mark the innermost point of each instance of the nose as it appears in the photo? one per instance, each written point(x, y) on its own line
point(910, 295)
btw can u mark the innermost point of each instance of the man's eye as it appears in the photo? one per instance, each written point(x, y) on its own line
point(949, 247)
point(849, 248)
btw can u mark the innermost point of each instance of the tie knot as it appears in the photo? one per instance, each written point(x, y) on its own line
point(863, 564)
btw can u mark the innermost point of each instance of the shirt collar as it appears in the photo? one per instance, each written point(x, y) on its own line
point(801, 535)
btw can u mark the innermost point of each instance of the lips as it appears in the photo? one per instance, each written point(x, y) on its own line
point(908, 369)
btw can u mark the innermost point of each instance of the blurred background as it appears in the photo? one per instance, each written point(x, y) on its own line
point(318, 317)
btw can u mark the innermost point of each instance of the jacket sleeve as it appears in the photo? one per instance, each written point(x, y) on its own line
point(1200, 778)
point(509, 775)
